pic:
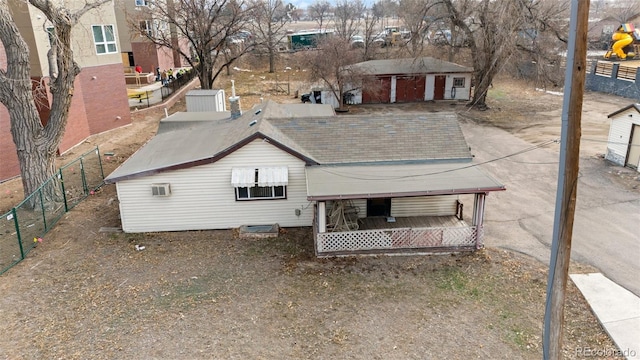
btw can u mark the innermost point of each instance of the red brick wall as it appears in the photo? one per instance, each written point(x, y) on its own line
point(77, 125)
point(145, 55)
point(105, 97)
point(9, 166)
point(95, 107)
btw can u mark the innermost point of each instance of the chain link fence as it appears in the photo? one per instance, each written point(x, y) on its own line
point(23, 226)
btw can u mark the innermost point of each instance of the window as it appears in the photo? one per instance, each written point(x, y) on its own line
point(105, 39)
point(160, 189)
point(142, 3)
point(458, 82)
point(146, 28)
point(51, 32)
point(260, 184)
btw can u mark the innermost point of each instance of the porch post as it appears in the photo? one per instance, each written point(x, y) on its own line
point(322, 217)
point(478, 217)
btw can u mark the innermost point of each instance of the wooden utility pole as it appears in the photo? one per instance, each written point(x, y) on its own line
point(567, 180)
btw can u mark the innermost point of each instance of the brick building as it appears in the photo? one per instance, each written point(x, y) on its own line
point(100, 98)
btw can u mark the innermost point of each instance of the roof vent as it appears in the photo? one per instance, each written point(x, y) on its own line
point(253, 122)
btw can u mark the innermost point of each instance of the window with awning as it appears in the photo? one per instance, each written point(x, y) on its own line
point(260, 183)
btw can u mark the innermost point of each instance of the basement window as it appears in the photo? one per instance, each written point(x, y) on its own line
point(160, 189)
point(458, 82)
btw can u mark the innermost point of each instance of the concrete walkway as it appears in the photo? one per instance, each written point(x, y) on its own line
point(617, 309)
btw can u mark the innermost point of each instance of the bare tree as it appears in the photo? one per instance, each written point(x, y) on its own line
point(370, 21)
point(414, 15)
point(207, 27)
point(320, 11)
point(347, 17)
point(623, 10)
point(269, 18)
point(491, 30)
point(329, 65)
point(37, 140)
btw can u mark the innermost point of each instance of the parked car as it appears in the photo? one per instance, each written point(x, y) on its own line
point(357, 41)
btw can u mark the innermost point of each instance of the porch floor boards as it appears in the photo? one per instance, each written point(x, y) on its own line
point(373, 223)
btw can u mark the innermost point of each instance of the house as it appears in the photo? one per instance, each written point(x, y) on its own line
point(95, 48)
point(409, 80)
point(623, 146)
point(366, 184)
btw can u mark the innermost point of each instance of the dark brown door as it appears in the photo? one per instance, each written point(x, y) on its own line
point(438, 89)
point(410, 88)
point(377, 90)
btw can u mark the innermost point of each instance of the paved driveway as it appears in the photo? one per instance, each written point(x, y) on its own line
point(607, 223)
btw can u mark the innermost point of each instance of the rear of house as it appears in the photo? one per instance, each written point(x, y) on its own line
point(206, 197)
point(300, 165)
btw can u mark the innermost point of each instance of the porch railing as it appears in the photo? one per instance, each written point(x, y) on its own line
point(435, 239)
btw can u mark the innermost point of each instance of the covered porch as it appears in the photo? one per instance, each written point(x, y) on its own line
point(397, 209)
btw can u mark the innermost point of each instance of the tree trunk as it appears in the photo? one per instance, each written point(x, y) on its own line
point(272, 60)
point(37, 144)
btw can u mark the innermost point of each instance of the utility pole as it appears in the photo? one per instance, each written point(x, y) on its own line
point(567, 180)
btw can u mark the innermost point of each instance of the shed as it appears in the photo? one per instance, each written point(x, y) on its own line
point(409, 80)
point(205, 100)
point(623, 145)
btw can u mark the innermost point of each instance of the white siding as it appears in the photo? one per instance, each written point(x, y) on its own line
point(429, 87)
point(392, 96)
point(619, 135)
point(361, 204)
point(424, 206)
point(202, 197)
point(462, 93)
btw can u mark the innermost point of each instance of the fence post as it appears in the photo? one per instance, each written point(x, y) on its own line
point(17, 226)
point(83, 177)
point(44, 214)
point(100, 162)
point(64, 193)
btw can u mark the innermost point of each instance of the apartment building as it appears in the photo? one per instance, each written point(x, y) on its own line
point(135, 17)
point(99, 101)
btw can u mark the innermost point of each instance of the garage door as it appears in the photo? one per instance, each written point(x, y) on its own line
point(410, 88)
point(377, 90)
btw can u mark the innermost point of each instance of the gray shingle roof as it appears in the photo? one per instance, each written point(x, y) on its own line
point(362, 139)
point(423, 65)
point(315, 138)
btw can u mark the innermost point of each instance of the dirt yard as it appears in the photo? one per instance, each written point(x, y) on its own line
point(209, 294)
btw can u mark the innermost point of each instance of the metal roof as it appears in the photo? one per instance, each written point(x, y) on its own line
point(318, 139)
point(182, 120)
point(203, 92)
point(423, 65)
point(382, 181)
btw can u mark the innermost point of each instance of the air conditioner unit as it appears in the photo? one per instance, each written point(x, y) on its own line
point(160, 189)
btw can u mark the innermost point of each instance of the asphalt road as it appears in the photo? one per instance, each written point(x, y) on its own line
point(606, 230)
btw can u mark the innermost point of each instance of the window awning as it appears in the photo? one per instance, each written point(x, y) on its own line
point(268, 176)
point(243, 177)
point(273, 176)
